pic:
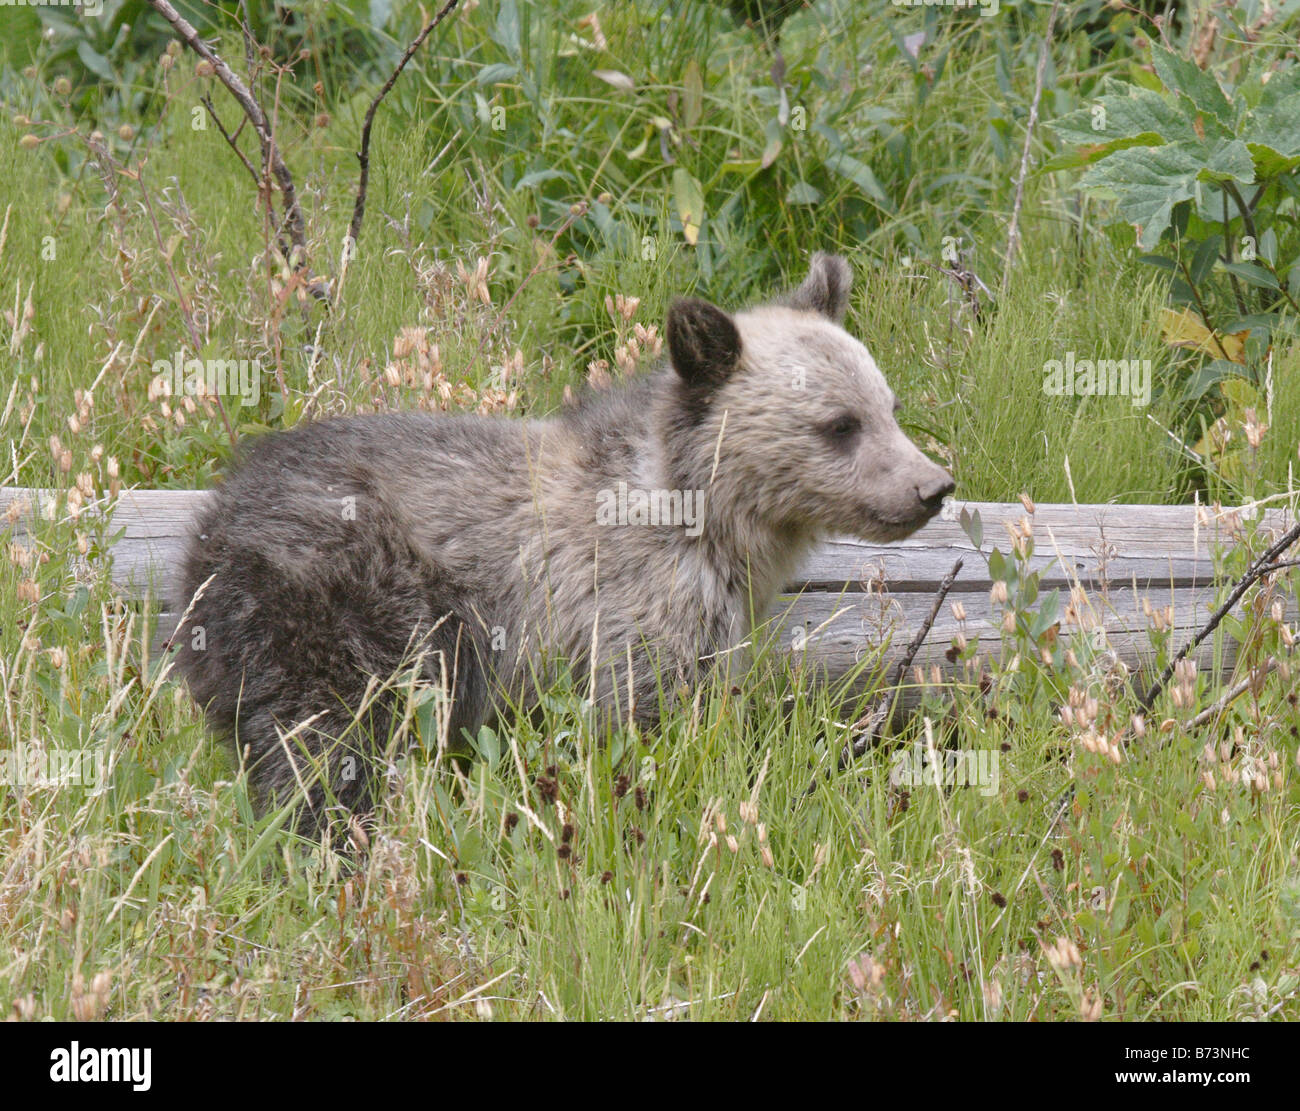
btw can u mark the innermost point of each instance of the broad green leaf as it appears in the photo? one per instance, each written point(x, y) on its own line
point(1230, 161)
point(1149, 181)
point(1123, 113)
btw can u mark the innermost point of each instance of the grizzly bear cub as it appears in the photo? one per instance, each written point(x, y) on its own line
point(631, 539)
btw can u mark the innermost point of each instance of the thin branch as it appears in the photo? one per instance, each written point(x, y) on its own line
point(1266, 564)
point(363, 155)
point(230, 139)
point(271, 156)
point(867, 728)
point(1230, 696)
point(1013, 232)
point(1200, 305)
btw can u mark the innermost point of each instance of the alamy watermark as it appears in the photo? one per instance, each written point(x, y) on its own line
point(986, 7)
point(1073, 377)
point(240, 378)
point(628, 505)
point(38, 766)
point(923, 766)
point(84, 7)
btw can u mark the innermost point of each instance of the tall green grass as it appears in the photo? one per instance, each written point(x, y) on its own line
point(162, 896)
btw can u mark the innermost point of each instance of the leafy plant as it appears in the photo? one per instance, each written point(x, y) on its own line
point(1210, 178)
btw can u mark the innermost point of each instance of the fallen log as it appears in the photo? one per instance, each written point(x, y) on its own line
point(851, 597)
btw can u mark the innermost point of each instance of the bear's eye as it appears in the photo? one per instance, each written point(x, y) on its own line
point(842, 428)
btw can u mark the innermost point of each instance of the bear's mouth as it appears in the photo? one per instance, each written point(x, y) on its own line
point(882, 527)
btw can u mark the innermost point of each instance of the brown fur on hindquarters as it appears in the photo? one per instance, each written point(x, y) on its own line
point(337, 547)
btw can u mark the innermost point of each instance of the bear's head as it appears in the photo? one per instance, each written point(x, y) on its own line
point(790, 419)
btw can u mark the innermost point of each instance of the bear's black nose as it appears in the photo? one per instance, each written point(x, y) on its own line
point(933, 492)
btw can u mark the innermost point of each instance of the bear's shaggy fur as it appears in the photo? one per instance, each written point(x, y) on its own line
point(490, 552)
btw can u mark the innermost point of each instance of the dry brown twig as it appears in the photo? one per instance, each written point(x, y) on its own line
point(273, 165)
point(867, 728)
point(363, 155)
point(1266, 564)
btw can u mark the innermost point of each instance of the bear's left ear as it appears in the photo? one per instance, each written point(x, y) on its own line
point(703, 343)
point(826, 289)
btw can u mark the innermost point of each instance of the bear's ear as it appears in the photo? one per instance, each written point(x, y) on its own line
point(703, 343)
point(826, 289)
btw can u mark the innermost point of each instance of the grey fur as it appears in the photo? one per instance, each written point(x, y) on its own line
point(341, 550)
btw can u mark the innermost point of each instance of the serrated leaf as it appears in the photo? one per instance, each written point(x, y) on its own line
point(1149, 181)
point(1183, 76)
point(1128, 113)
point(1230, 161)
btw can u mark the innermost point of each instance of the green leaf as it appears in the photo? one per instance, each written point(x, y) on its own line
point(1253, 274)
point(692, 94)
point(860, 174)
point(1182, 75)
point(774, 132)
point(506, 34)
point(95, 62)
point(496, 74)
point(1149, 181)
point(539, 176)
point(1127, 114)
point(689, 197)
point(1205, 257)
point(1207, 377)
point(1230, 161)
point(803, 193)
point(1160, 263)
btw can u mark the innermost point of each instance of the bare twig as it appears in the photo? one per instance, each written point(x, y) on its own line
point(271, 157)
point(1230, 696)
point(1266, 564)
point(867, 728)
point(363, 155)
point(1013, 232)
point(230, 139)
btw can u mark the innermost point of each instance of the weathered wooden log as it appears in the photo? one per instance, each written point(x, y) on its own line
point(851, 597)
